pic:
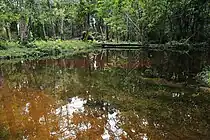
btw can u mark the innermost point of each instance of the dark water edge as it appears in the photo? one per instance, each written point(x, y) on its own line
point(86, 97)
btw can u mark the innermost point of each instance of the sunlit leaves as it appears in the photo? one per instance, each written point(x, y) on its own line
point(152, 19)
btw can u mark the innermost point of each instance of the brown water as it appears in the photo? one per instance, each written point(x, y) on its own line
point(86, 98)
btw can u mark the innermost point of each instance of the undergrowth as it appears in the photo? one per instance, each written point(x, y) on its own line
point(40, 49)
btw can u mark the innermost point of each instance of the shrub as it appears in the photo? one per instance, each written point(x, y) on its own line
point(204, 76)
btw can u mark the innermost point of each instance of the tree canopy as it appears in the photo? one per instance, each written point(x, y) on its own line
point(157, 21)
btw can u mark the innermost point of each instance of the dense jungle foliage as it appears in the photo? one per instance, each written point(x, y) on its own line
point(157, 21)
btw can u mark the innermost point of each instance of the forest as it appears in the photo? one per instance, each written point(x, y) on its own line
point(104, 69)
point(146, 21)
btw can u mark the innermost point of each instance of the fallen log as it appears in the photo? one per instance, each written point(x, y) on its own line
point(167, 46)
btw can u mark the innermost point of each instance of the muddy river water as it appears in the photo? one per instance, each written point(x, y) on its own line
point(88, 98)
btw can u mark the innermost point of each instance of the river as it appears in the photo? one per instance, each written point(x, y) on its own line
point(89, 98)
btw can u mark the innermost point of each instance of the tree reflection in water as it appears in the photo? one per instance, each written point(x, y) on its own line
point(58, 99)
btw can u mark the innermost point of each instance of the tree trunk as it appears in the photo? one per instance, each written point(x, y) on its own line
point(23, 30)
point(29, 33)
point(128, 35)
point(8, 31)
point(43, 29)
point(107, 32)
point(53, 30)
point(87, 24)
point(18, 29)
point(72, 30)
point(61, 28)
point(51, 22)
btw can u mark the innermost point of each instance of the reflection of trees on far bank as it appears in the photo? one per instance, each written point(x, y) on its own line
point(34, 91)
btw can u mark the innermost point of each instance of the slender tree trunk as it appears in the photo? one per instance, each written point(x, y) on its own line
point(171, 29)
point(107, 32)
point(23, 30)
point(18, 29)
point(51, 22)
point(127, 36)
point(61, 28)
point(29, 28)
point(43, 29)
point(88, 22)
point(72, 30)
point(103, 37)
point(8, 32)
point(117, 36)
point(53, 29)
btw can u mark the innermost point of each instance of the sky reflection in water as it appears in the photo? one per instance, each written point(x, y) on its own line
point(63, 99)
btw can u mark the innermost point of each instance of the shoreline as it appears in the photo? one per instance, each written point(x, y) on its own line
point(43, 49)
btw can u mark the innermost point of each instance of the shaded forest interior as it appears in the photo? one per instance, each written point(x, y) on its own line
point(156, 21)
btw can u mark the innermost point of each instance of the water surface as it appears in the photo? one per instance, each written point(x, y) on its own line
point(90, 97)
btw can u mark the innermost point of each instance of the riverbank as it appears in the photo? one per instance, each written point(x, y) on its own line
point(13, 52)
point(42, 49)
